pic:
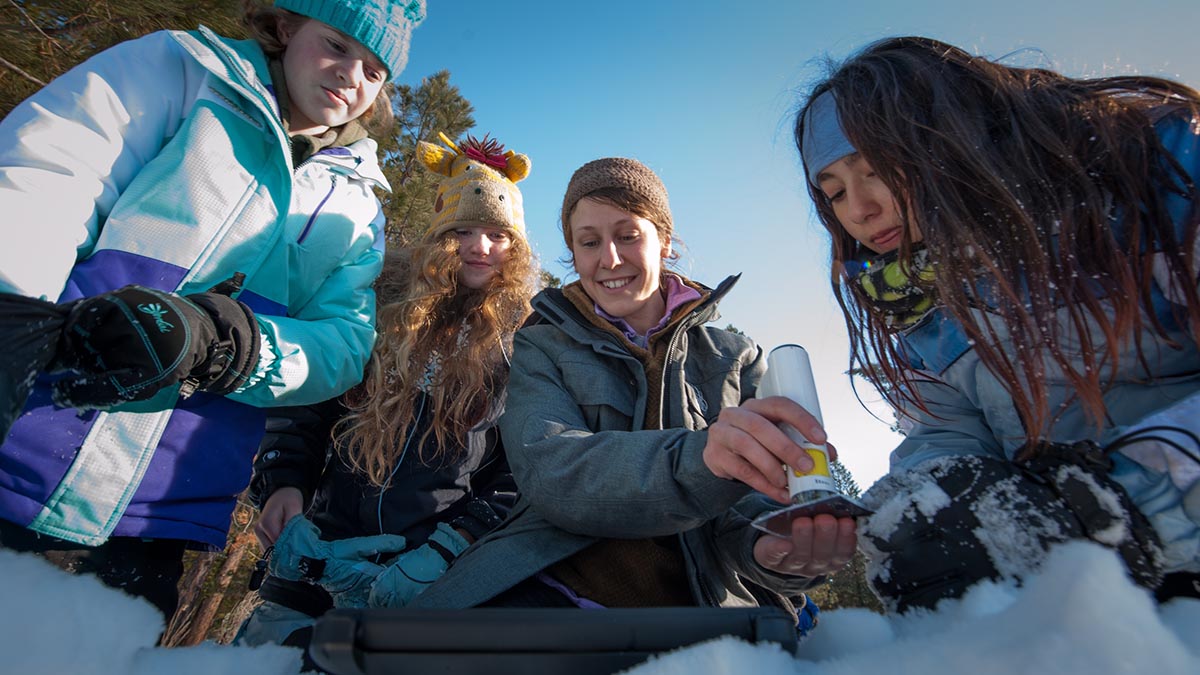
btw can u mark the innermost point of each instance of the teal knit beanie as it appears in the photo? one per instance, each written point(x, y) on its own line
point(382, 26)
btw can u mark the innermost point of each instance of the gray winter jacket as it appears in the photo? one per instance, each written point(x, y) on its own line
point(587, 470)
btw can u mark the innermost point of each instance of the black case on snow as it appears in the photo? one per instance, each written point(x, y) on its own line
point(503, 641)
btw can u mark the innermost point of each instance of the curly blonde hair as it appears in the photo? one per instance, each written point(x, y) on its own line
point(430, 325)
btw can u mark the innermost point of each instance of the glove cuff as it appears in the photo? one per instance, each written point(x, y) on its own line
point(447, 542)
point(233, 357)
point(442, 551)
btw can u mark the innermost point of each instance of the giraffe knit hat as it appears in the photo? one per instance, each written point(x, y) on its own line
point(479, 184)
point(616, 172)
point(383, 26)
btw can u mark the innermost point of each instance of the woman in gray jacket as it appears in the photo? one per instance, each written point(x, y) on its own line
point(635, 438)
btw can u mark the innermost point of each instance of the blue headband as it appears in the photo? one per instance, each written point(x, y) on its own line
point(824, 140)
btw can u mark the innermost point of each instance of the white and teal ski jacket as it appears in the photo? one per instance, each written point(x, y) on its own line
point(163, 162)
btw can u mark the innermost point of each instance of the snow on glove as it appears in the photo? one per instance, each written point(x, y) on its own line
point(29, 332)
point(1079, 474)
point(412, 571)
point(342, 567)
point(952, 522)
point(130, 343)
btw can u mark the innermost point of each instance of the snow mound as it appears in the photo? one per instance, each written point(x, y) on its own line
point(54, 622)
point(1078, 616)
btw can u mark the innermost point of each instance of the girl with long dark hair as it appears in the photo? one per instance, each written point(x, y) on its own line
point(1014, 253)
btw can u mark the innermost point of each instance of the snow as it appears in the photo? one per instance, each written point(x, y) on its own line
point(1078, 616)
point(54, 622)
point(1013, 543)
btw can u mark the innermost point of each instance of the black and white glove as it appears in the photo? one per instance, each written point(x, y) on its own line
point(128, 344)
point(953, 522)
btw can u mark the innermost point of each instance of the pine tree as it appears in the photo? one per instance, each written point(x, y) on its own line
point(848, 586)
point(421, 113)
point(844, 479)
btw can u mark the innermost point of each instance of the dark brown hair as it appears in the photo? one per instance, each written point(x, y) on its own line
point(1014, 176)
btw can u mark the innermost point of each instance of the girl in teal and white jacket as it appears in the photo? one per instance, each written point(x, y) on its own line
point(148, 176)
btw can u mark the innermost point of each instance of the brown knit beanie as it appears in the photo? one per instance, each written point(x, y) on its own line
point(616, 172)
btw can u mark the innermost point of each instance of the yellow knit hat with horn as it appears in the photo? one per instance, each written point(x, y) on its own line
point(480, 184)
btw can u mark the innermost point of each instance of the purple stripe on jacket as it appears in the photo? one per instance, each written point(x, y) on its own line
point(199, 467)
point(109, 270)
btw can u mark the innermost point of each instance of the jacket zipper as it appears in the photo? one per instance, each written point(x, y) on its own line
point(697, 576)
point(687, 323)
point(316, 211)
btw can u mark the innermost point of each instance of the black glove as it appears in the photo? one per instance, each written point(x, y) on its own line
point(998, 523)
point(131, 343)
point(479, 519)
point(1079, 473)
point(29, 330)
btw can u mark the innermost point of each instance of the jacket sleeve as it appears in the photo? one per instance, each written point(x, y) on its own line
point(294, 451)
point(321, 350)
point(733, 535)
point(616, 484)
point(70, 150)
point(953, 426)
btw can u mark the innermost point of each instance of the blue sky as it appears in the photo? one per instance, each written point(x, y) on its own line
point(702, 90)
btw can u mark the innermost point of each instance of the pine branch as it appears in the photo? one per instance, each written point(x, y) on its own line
point(11, 66)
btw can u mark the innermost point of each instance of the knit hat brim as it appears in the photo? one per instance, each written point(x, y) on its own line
point(616, 172)
point(383, 26)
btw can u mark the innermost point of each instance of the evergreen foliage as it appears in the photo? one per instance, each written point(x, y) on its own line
point(421, 113)
point(549, 280)
point(844, 479)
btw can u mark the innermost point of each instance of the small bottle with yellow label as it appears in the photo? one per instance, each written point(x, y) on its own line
point(789, 374)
